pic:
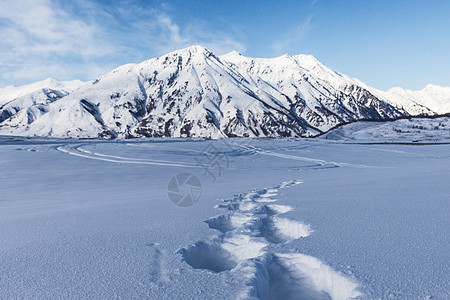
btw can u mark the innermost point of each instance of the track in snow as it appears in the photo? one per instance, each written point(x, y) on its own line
point(78, 150)
point(319, 163)
point(248, 230)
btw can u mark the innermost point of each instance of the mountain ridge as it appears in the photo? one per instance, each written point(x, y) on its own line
point(192, 92)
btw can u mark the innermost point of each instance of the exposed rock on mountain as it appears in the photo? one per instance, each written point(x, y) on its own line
point(194, 93)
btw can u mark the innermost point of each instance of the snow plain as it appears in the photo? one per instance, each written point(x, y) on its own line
point(283, 219)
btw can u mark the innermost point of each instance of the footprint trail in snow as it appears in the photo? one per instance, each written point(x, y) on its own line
point(250, 228)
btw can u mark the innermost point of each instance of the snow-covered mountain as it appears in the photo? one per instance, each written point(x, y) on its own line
point(194, 93)
point(436, 98)
point(26, 103)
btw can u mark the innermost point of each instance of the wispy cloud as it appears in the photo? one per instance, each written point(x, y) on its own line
point(313, 3)
point(39, 38)
point(293, 37)
point(160, 33)
point(83, 39)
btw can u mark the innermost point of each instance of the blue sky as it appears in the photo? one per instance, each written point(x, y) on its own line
point(383, 43)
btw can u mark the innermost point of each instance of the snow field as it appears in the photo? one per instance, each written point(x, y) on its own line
point(92, 219)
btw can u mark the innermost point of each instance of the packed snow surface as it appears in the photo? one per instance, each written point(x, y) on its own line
point(279, 219)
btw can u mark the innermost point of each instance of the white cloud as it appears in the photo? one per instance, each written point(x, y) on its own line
point(41, 27)
point(40, 39)
point(83, 39)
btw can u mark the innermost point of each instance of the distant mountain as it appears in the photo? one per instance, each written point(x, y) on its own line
point(436, 98)
point(28, 102)
point(194, 93)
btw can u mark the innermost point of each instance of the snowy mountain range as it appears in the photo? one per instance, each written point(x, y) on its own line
point(194, 93)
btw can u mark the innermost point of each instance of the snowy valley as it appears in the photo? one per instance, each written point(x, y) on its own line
point(196, 176)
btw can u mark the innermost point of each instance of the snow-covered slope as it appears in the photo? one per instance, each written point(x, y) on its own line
point(312, 91)
point(13, 92)
point(24, 104)
point(434, 97)
point(194, 93)
point(413, 130)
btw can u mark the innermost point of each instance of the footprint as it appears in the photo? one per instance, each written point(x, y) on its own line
point(264, 200)
point(257, 208)
point(229, 222)
point(267, 193)
point(250, 224)
point(27, 149)
point(281, 230)
point(290, 183)
point(293, 276)
point(221, 254)
point(158, 269)
point(299, 276)
point(276, 209)
point(240, 206)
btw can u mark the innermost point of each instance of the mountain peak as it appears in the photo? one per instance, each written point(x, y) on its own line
point(308, 61)
point(191, 92)
point(232, 56)
point(233, 53)
point(428, 88)
point(194, 49)
point(432, 87)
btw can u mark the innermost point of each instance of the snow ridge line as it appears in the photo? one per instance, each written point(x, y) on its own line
point(248, 231)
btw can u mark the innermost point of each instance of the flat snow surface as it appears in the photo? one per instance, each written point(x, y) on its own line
point(284, 219)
